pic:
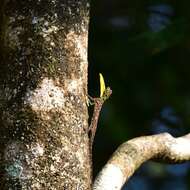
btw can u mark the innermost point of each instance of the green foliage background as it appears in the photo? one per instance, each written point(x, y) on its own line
point(148, 71)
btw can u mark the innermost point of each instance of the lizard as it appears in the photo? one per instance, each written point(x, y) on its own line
point(98, 103)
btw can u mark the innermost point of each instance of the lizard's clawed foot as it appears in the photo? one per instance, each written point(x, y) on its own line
point(90, 101)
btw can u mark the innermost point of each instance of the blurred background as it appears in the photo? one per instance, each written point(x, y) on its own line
point(143, 50)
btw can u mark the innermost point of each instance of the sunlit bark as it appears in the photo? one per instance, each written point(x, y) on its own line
point(43, 112)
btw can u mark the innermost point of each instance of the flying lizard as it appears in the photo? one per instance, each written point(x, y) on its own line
point(105, 93)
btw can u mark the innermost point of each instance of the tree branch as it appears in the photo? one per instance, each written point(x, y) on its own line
point(131, 154)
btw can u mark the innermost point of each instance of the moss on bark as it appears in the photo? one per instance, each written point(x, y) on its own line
point(43, 116)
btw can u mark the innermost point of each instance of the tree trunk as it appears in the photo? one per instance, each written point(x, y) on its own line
point(43, 112)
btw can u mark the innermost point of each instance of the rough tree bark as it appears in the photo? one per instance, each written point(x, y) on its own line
point(43, 112)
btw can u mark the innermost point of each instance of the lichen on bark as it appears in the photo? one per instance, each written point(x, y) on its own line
point(43, 112)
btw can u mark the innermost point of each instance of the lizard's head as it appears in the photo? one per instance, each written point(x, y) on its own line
point(107, 93)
